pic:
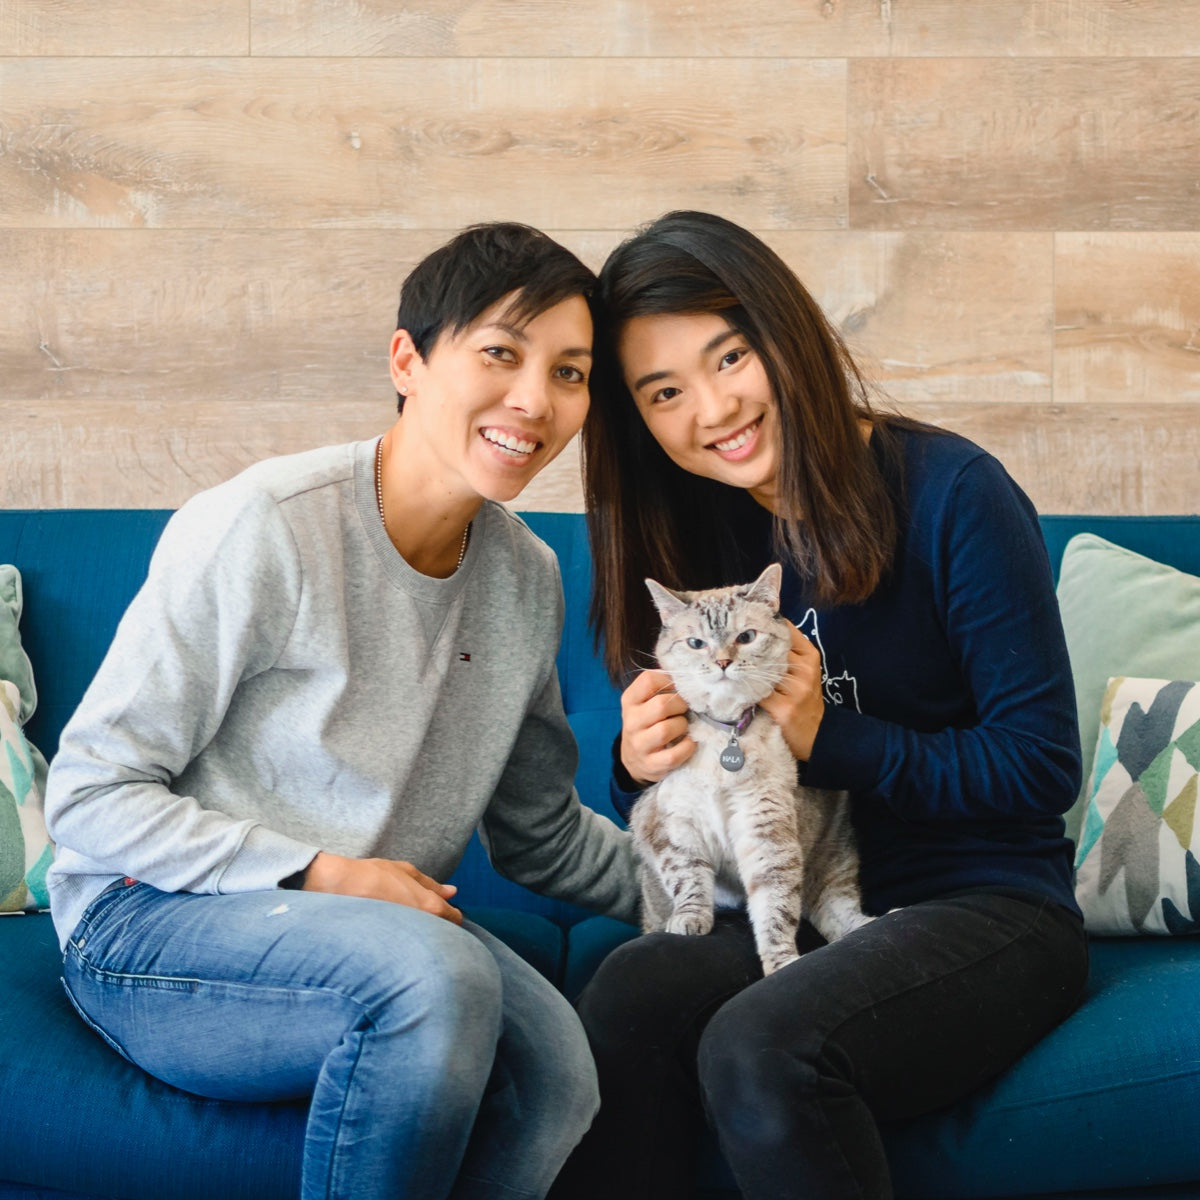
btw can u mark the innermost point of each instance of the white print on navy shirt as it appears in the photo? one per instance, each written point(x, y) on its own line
point(838, 689)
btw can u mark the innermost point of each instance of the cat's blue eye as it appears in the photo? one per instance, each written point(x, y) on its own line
point(745, 637)
point(695, 643)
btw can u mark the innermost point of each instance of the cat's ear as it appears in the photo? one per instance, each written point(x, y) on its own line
point(668, 603)
point(767, 586)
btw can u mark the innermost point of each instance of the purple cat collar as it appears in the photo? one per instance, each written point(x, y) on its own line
point(736, 727)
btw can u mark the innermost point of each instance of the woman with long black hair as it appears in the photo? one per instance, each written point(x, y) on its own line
point(929, 678)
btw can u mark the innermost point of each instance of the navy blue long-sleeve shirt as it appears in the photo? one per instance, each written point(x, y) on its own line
point(949, 705)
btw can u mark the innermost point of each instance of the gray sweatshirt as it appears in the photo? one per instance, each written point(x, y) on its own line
point(285, 683)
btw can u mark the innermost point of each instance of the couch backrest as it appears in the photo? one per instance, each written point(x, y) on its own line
point(79, 570)
point(81, 567)
point(1174, 540)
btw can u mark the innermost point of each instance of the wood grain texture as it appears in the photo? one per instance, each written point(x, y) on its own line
point(305, 315)
point(1112, 458)
point(124, 27)
point(430, 143)
point(140, 366)
point(205, 213)
point(990, 28)
point(1099, 458)
point(148, 454)
point(991, 144)
point(607, 28)
point(1128, 320)
point(937, 316)
point(715, 29)
point(144, 365)
point(175, 317)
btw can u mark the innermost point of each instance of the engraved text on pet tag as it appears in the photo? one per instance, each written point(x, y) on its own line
point(732, 758)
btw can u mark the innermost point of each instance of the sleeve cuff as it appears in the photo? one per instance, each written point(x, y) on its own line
point(265, 858)
point(623, 789)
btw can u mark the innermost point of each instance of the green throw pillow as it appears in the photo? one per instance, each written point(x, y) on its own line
point(14, 662)
point(25, 848)
point(1124, 615)
point(1136, 868)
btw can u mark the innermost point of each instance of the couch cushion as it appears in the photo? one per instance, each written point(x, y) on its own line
point(80, 569)
point(18, 1191)
point(129, 1136)
point(1107, 1100)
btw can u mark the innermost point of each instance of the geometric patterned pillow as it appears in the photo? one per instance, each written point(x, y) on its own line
point(1137, 867)
point(25, 847)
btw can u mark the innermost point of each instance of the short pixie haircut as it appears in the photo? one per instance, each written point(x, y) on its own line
point(451, 287)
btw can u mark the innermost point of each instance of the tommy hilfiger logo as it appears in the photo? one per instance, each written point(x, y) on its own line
point(462, 657)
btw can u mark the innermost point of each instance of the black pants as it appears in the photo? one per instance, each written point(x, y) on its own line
point(796, 1071)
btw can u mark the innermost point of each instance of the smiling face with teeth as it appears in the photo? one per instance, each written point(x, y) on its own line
point(489, 407)
point(705, 397)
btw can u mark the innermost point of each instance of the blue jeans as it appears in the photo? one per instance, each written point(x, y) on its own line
point(439, 1063)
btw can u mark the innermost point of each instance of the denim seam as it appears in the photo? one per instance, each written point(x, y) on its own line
point(116, 1047)
point(111, 896)
point(341, 1116)
point(182, 982)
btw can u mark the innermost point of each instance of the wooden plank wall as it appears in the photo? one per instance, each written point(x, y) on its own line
point(206, 211)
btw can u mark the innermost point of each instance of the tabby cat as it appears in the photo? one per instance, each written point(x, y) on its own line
point(731, 823)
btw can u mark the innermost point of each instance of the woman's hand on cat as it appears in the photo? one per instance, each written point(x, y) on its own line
point(797, 704)
point(654, 727)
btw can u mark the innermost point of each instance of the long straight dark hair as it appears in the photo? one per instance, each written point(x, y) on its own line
point(647, 516)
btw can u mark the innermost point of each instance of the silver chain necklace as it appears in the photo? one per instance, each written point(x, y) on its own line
point(462, 550)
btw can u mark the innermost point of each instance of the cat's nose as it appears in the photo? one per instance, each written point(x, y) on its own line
point(724, 662)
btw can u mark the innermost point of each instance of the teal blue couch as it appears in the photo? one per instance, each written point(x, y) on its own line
point(1108, 1105)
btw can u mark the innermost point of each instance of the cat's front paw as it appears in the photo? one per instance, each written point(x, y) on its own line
point(692, 924)
point(773, 962)
point(836, 922)
point(848, 924)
